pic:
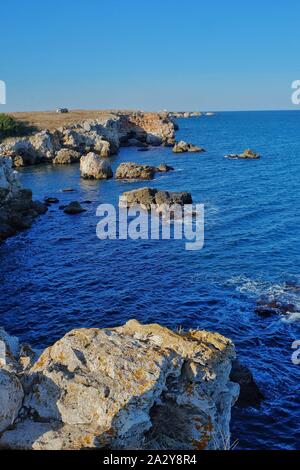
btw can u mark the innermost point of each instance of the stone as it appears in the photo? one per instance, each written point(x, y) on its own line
point(131, 170)
point(17, 209)
point(94, 167)
point(163, 168)
point(148, 197)
point(11, 398)
point(51, 200)
point(131, 387)
point(73, 208)
point(250, 394)
point(65, 156)
point(182, 146)
point(246, 155)
point(269, 307)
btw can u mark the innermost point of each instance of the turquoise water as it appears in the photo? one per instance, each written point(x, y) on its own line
point(59, 275)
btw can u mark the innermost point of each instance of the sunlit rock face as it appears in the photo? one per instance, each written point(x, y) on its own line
point(132, 387)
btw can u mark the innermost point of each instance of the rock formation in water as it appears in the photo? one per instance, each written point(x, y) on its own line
point(17, 209)
point(104, 136)
point(130, 170)
point(131, 387)
point(246, 155)
point(182, 146)
point(148, 197)
point(94, 167)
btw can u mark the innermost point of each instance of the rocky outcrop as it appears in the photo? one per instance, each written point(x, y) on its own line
point(246, 155)
point(103, 135)
point(149, 197)
point(183, 146)
point(131, 387)
point(130, 170)
point(184, 114)
point(94, 167)
point(163, 168)
point(65, 156)
point(17, 209)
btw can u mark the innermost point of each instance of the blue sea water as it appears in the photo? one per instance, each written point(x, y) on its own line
point(59, 275)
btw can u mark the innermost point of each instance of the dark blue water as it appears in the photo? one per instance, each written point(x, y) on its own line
point(59, 275)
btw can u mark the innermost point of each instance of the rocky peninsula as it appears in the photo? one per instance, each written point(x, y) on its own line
point(131, 387)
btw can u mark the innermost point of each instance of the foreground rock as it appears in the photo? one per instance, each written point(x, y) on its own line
point(149, 197)
point(131, 387)
point(17, 209)
point(250, 394)
point(246, 155)
point(182, 146)
point(94, 167)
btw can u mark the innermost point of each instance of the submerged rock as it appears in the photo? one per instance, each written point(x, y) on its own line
point(250, 394)
point(131, 387)
point(73, 208)
point(94, 167)
point(147, 197)
point(182, 146)
point(268, 308)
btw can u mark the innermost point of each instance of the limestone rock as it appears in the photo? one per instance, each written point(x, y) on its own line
point(93, 166)
point(183, 146)
point(147, 197)
point(65, 156)
point(131, 387)
point(11, 397)
point(17, 210)
point(131, 170)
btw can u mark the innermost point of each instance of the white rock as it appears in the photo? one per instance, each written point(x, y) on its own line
point(93, 166)
point(130, 387)
point(11, 396)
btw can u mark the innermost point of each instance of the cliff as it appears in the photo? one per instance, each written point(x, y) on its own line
point(17, 209)
point(132, 387)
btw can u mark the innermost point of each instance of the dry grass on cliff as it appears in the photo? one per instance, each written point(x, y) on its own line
point(52, 120)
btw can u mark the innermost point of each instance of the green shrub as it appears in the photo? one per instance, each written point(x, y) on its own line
point(10, 127)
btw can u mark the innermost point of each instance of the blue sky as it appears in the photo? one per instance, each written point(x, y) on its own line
point(179, 54)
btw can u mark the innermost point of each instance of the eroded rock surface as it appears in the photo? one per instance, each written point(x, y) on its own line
point(94, 167)
point(17, 209)
point(130, 170)
point(131, 387)
point(148, 197)
point(182, 147)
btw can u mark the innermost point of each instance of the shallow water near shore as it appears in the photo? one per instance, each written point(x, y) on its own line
point(59, 275)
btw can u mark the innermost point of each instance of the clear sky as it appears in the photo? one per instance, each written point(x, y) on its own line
point(149, 54)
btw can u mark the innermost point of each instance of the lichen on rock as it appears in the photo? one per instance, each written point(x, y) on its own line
point(131, 387)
